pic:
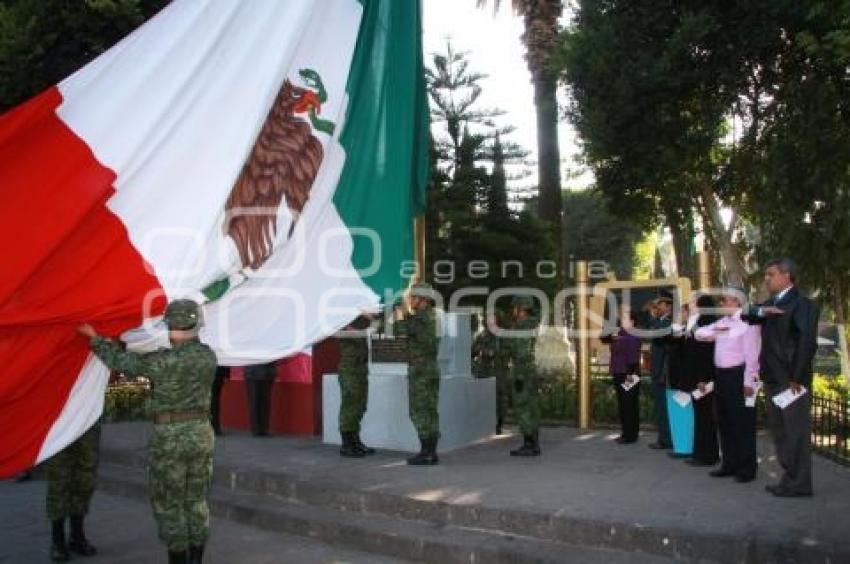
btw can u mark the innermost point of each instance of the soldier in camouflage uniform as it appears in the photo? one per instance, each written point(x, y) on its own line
point(493, 356)
point(71, 479)
point(423, 379)
point(526, 398)
point(353, 386)
point(181, 447)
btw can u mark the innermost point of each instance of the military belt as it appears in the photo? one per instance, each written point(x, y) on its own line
point(179, 416)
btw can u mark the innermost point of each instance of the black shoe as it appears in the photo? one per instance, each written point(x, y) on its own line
point(366, 450)
point(58, 548)
point(78, 543)
point(25, 476)
point(177, 557)
point(498, 426)
point(196, 554)
point(530, 446)
point(349, 447)
point(659, 446)
point(677, 455)
point(780, 491)
point(217, 431)
point(59, 553)
point(427, 454)
point(721, 473)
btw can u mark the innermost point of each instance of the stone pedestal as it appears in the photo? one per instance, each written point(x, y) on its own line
point(467, 405)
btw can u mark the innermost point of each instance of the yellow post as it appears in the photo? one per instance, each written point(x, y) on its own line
point(704, 281)
point(583, 349)
point(419, 244)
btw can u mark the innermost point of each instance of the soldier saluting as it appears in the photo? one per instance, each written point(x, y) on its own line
point(181, 447)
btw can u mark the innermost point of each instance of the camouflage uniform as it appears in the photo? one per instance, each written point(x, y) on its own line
point(71, 479)
point(181, 449)
point(353, 376)
point(526, 395)
point(423, 377)
point(72, 475)
point(493, 356)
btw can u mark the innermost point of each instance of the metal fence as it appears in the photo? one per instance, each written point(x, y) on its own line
point(831, 428)
point(830, 414)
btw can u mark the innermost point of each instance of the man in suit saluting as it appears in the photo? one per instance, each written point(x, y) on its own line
point(789, 322)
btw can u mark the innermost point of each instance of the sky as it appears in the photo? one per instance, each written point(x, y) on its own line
point(495, 49)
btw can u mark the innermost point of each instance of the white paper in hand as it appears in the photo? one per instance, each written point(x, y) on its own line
point(788, 397)
point(630, 382)
point(697, 394)
point(751, 401)
point(682, 398)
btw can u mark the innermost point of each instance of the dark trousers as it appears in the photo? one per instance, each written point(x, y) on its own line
point(659, 393)
point(737, 423)
point(791, 429)
point(627, 408)
point(259, 404)
point(221, 374)
point(706, 448)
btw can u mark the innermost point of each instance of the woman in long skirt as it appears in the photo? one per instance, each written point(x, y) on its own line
point(700, 361)
point(679, 402)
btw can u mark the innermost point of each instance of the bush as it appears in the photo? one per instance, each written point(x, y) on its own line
point(831, 387)
point(127, 401)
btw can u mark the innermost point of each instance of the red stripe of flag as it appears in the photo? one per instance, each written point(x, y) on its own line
point(66, 259)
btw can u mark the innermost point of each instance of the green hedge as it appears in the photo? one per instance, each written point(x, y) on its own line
point(127, 401)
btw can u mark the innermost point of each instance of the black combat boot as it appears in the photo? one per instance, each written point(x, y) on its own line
point(427, 454)
point(196, 554)
point(177, 557)
point(530, 446)
point(79, 544)
point(361, 446)
point(58, 548)
point(349, 447)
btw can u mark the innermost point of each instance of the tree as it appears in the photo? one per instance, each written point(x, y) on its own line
point(654, 84)
point(593, 234)
point(43, 42)
point(470, 218)
point(541, 42)
point(694, 105)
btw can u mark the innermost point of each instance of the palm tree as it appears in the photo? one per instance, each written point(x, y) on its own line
point(541, 40)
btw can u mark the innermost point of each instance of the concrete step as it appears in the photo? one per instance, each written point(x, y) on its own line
point(376, 533)
point(538, 527)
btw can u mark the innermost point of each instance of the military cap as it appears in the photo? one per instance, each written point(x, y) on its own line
point(182, 315)
point(422, 288)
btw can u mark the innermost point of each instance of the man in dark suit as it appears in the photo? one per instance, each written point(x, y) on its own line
point(789, 323)
point(660, 323)
point(259, 379)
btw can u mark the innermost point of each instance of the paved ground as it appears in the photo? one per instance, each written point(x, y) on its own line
point(581, 475)
point(123, 531)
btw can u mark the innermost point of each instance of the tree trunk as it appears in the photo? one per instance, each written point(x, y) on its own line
point(682, 241)
point(734, 270)
point(548, 152)
point(549, 199)
point(840, 301)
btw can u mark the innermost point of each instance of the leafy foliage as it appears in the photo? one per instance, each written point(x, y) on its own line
point(43, 41)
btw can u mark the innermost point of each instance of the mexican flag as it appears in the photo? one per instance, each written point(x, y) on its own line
point(266, 158)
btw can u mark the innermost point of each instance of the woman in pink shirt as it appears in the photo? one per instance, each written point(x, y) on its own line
point(736, 353)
